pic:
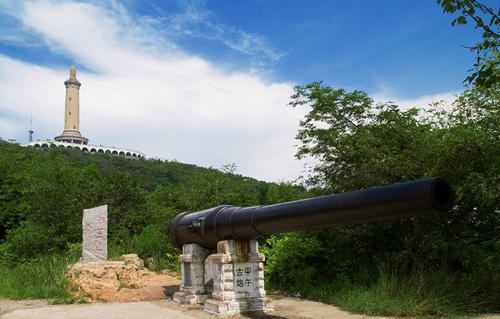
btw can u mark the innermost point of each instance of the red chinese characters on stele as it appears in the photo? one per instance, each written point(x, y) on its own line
point(95, 234)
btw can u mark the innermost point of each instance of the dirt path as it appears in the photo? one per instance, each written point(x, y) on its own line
point(7, 305)
point(286, 307)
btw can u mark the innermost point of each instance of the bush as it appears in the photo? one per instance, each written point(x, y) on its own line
point(24, 242)
point(154, 243)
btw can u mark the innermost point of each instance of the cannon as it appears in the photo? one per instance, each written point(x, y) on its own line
point(207, 227)
point(231, 280)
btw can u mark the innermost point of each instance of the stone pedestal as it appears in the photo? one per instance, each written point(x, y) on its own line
point(236, 273)
point(192, 289)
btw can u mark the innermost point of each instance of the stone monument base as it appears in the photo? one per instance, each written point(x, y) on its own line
point(227, 282)
point(192, 289)
point(233, 307)
point(185, 298)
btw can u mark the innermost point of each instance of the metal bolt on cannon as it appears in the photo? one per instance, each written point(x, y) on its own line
point(231, 280)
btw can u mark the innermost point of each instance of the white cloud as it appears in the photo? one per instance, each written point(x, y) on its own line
point(146, 94)
point(421, 102)
point(385, 94)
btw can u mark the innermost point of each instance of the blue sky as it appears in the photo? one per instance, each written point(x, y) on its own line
point(409, 46)
point(208, 82)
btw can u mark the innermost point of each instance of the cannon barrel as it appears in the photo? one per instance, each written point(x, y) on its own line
point(209, 226)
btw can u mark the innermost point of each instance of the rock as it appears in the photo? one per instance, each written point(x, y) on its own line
point(133, 259)
point(124, 280)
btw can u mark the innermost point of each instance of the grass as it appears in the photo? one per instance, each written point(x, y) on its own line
point(166, 263)
point(418, 295)
point(42, 277)
point(394, 297)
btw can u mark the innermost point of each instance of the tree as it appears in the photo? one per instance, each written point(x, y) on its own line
point(358, 144)
point(486, 70)
point(361, 144)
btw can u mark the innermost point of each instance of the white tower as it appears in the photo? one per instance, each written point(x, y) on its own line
point(71, 133)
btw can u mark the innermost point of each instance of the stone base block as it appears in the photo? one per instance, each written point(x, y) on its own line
point(261, 304)
point(218, 307)
point(183, 298)
point(233, 307)
point(267, 304)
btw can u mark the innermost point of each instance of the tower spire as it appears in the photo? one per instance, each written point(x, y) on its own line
point(72, 73)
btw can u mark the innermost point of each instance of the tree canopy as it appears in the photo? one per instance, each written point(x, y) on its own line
point(486, 71)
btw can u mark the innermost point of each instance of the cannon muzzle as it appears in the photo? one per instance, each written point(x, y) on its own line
point(209, 226)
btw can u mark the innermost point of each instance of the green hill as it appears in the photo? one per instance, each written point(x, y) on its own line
point(43, 194)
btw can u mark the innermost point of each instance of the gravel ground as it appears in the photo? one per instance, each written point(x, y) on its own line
point(285, 307)
point(7, 305)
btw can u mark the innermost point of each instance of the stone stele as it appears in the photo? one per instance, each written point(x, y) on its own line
point(95, 234)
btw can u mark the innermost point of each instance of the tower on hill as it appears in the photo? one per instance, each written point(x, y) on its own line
point(71, 137)
point(71, 133)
